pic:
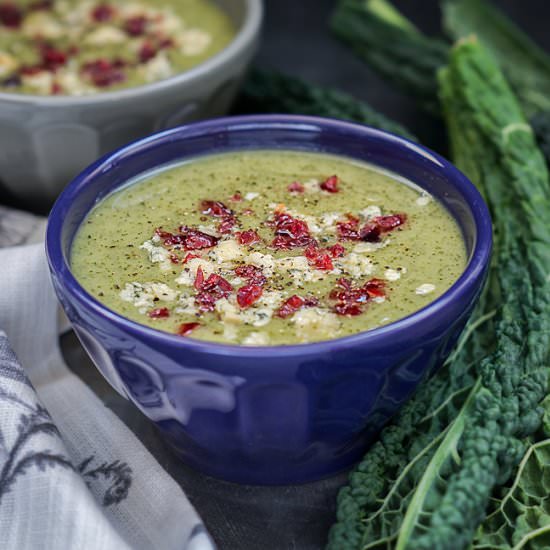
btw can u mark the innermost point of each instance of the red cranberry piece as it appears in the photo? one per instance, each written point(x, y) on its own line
point(336, 250)
point(104, 73)
point(146, 52)
point(370, 232)
point(375, 288)
point(348, 230)
point(215, 208)
point(103, 13)
point(331, 184)
point(211, 290)
point(249, 294)
point(189, 257)
point(30, 70)
point(226, 225)
point(296, 187)
point(160, 313)
point(135, 26)
point(350, 310)
point(290, 232)
point(252, 273)
point(165, 43)
point(11, 15)
point(193, 239)
point(318, 258)
point(247, 212)
point(56, 89)
point(290, 306)
point(199, 279)
point(389, 223)
point(187, 328)
point(237, 197)
point(53, 58)
point(248, 237)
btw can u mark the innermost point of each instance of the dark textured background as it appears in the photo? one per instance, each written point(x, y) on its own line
point(295, 41)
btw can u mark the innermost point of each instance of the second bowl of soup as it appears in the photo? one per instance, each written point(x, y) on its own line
point(269, 290)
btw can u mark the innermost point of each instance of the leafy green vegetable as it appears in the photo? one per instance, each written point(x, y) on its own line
point(526, 66)
point(427, 482)
point(413, 64)
point(392, 46)
point(270, 92)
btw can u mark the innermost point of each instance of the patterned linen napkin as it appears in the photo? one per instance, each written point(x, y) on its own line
point(72, 476)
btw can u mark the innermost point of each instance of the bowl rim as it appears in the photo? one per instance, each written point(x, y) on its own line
point(474, 271)
point(241, 41)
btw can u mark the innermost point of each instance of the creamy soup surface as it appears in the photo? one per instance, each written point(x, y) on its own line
point(77, 47)
point(268, 248)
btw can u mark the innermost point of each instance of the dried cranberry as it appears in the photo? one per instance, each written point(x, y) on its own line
point(249, 294)
point(331, 184)
point(252, 273)
point(226, 225)
point(103, 13)
point(215, 208)
point(189, 257)
point(237, 197)
point(187, 328)
point(389, 223)
point(318, 258)
point(52, 58)
point(370, 232)
point(104, 73)
point(165, 43)
point(336, 250)
point(30, 70)
point(160, 313)
point(351, 300)
point(187, 238)
point(11, 15)
point(296, 187)
point(56, 89)
point(348, 230)
point(290, 306)
point(211, 290)
point(135, 26)
point(247, 212)
point(146, 52)
point(199, 279)
point(248, 237)
point(290, 232)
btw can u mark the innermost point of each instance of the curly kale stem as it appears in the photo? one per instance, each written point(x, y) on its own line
point(531, 535)
point(446, 448)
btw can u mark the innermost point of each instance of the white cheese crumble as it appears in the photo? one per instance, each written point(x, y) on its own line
point(371, 247)
point(41, 82)
point(311, 186)
point(256, 339)
point(264, 261)
point(355, 265)
point(251, 196)
point(8, 63)
point(157, 68)
point(258, 315)
point(392, 274)
point(106, 35)
point(157, 254)
point(315, 322)
point(40, 24)
point(227, 251)
point(186, 305)
point(424, 289)
point(370, 212)
point(194, 41)
point(424, 199)
point(144, 295)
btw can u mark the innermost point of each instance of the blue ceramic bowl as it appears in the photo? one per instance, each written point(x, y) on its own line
point(279, 414)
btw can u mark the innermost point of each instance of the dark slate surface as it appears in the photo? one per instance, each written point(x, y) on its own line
point(298, 517)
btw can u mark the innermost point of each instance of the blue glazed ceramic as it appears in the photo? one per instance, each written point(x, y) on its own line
point(280, 414)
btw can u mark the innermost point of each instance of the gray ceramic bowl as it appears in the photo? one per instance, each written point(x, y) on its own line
point(46, 141)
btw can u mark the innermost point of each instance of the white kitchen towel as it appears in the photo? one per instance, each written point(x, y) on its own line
point(72, 476)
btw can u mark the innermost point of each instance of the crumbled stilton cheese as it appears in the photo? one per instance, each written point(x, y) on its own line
point(144, 295)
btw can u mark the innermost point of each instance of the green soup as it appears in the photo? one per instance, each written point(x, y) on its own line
point(76, 47)
point(268, 248)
